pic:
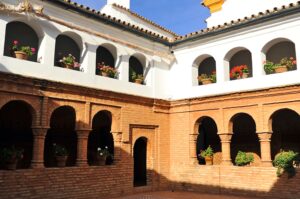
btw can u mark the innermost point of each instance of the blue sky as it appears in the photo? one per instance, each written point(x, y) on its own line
point(179, 16)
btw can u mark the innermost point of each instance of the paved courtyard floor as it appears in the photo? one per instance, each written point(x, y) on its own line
point(180, 195)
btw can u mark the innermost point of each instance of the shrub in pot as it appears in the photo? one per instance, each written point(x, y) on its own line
point(284, 161)
point(243, 158)
point(102, 155)
point(208, 154)
point(61, 155)
point(10, 156)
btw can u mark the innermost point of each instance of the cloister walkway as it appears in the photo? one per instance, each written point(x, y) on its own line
point(181, 195)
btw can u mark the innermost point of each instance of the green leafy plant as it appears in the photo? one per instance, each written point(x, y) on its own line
point(284, 162)
point(71, 61)
point(59, 150)
point(135, 76)
point(103, 152)
point(209, 152)
point(243, 158)
point(10, 154)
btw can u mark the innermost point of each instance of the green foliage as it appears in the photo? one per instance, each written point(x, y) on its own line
point(269, 67)
point(135, 76)
point(11, 153)
point(209, 152)
point(59, 150)
point(103, 152)
point(284, 162)
point(242, 158)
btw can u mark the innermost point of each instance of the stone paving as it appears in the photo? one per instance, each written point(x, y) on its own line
point(181, 195)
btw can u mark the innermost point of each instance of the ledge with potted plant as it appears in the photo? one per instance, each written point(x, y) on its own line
point(207, 79)
point(239, 72)
point(106, 71)
point(70, 62)
point(284, 161)
point(243, 158)
point(22, 52)
point(285, 64)
point(137, 78)
point(60, 154)
point(10, 156)
point(102, 155)
point(208, 155)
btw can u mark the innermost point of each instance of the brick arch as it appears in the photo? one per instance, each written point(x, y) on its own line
point(115, 117)
point(253, 115)
point(197, 122)
point(33, 105)
point(268, 116)
point(78, 108)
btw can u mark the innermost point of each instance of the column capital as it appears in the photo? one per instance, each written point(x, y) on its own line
point(40, 131)
point(264, 136)
point(225, 137)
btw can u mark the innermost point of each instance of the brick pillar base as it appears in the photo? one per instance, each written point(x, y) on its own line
point(82, 141)
point(39, 134)
point(225, 141)
point(265, 147)
point(193, 147)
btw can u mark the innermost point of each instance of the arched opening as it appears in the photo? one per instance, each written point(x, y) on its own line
point(62, 133)
point(208, 136)
point(286, 128)
point(105, 58)
point(15, 130)
point(244, 137)
point(207, 70)
point(100, 137)
point(65, 46)
point(24, 35)
point(140, 162)
point(136, 69)
point(279, 51)
point(239, 61)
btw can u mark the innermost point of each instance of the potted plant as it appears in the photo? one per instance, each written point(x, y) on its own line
point(207, 79)
point(208, 155)
point(243, 158)
point(22, 52)
point(61, 155)
point(107, 71)
point(269, 67)
point(137, 78)
point(284, 161)
point(70, 62)
point(239, 72)
point(102, 155)
point(10, 156)
point(288, 63)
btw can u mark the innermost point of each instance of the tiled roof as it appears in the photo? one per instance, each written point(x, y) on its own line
point(227, 25)
point(145, 19)
point(97, 14)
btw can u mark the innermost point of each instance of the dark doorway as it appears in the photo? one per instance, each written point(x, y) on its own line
point(101, 137)
point(286, 128)
point(61, 132)
point(140, 162)
point(208, 136)
point(15, 130)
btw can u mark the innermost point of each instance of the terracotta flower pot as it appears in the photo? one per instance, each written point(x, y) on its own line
point(101, 160)
point(138, 81)
point(280, 69)
point(68, 66)
point(208, 160)
point(245, 75)
point(206, 81)
point(61, 161)
point(104, 74)
point(21, 55)
point(11, 164)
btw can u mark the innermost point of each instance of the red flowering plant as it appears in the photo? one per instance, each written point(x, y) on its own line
point(107, 70)
point(26, 49)
point(237, 71)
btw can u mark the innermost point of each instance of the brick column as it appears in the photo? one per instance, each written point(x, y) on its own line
point(265, 148)
point(82, 141)
point(39, 135)
point(225, 141)
point(117, 146)
point(193, 152)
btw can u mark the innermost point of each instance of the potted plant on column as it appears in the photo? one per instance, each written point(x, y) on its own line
point(208, 155)
point(22, 52)
point(102, 155)
point(10, 156)
point(60, 154)
point(243, 158)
